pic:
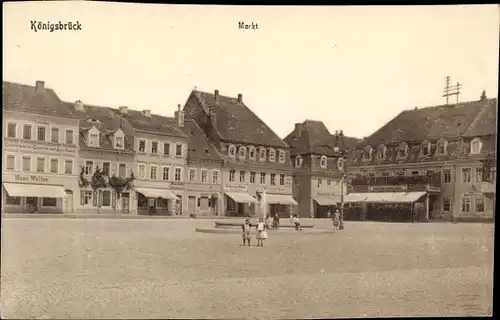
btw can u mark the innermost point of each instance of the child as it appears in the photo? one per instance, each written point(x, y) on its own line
point(261, 232)
point(296, 221)
point(276, 222)
point(336, 220)
point(246, 232)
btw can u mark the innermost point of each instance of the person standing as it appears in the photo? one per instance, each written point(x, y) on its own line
point(261, 232)
point(246, 232)
point(296, 221)
point(336, 220)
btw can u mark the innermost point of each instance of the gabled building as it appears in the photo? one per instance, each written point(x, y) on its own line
point(106, 142)
point(316, 177)
point(40, 151)
point(434, 155)
point(255, 158)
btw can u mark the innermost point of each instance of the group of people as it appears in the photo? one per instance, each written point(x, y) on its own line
point(261, 232)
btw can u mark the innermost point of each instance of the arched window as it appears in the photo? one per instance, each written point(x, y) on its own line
point(232, 151)
point(298, 161)
point(252, 153)
point(272, 155)
point(323, 162)
point(281, 156)
point(426, 148)
point(243, 152)
point(402, 150)
point(382, 152)
point(475, 146)
point(442, 146)
point(262, 154)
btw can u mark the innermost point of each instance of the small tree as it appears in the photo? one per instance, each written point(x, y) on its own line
point(119, 185)
point(97, 183)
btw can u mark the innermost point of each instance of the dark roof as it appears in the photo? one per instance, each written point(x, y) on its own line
point(235, 122)
point(21, 97)
point(486, 121)
point(430, 123)
point(315, 138)
point(199, 148)
point(109, 122)
point(154, 124)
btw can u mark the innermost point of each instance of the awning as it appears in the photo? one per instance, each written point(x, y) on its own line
point(157, 193)
point(34, 190)
point(281, 199)
point(385, 197)
point(327, 201)
point(241, 197)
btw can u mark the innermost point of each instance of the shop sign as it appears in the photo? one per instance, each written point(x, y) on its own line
point(387, 188)
point(37, 147)
point(274, 189)
point(327, 194)
point(177, 184)
point(33, 178)
point(235, 187)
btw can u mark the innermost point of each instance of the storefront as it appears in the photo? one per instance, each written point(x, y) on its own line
point(31, 193)
point(238, 201)
point(155, 201)
point(280, 200)
point(324, 202)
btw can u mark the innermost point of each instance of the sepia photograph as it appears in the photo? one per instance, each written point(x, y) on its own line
point(167, 161)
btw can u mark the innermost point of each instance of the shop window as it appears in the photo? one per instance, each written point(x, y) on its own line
point(479, 205)
point(86, 197)
point(13, 201)
point(465, 204)
point(49, 202)
point(446, 205)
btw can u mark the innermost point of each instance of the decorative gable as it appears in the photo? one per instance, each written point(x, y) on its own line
point(93, 137)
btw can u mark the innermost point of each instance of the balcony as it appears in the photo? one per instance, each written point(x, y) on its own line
point(488, 187)
point(430, 183)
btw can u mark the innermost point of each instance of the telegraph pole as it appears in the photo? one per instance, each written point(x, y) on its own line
point(451, 90)
point(446, 92)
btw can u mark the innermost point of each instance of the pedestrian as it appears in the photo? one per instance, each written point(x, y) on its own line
point(336, 220)
point(328, 214)
point(261, 232)
point(291, 218)
point(276, 222)
point(246, 232)
point(296, 222)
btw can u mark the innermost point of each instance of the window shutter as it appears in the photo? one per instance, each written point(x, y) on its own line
point(94, 198)
point(82, 197)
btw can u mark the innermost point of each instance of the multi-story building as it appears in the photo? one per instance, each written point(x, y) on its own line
point(40, 151)
point(316, 177)
point(433, 157)
point(106, 143)
point(255, 158)
point(161, 152)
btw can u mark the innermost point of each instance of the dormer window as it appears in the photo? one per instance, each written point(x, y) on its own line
point(119, 139)
point(232, 151)
point(262, 154)
point(322, 162)
point(281, 156)
point(272, 155)
point(402, 150)
point(367, 154)
point(93, 137)
point(382, 152)
point(119, 142)
point(298, 161)
point(426, 148)
point(442, 146)
point(252, 153)
point(243, 152)
point(475, 146)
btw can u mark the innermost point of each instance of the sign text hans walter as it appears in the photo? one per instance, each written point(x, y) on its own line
point(19, 177)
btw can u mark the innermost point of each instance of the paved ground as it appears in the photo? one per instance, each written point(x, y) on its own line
point(101, 268)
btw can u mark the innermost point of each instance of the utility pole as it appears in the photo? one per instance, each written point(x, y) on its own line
point(451, 90)
point(446, 92)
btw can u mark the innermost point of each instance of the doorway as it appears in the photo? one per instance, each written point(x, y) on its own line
point(191, 205)
point(125, 202)
point(68, 201)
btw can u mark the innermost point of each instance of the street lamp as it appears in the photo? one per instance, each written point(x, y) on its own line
point(339, 138)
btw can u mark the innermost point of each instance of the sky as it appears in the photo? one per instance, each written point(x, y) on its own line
point(354, 68)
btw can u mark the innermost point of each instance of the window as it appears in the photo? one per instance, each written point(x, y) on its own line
point(282, 179)
point(262, 154)
point(178, 150)
point(204, 176)
point(402, 150)
point(49, 202)
point(328, 182)
point(232, 151)
point(215, 177)
point(154, 173)
point(11, 162)
point(426, 148)
point(479, 205)
point(281, 157)
point(154, 147)
point(54, 165)
point(27, 132)
point(40, 164)
point(273, 179)
point(54, 135)
point(11, 130)
point(119, 142)
point(382, 151)
point(323, 162)
point(253, 154)
point(166, 173)
point(367, 154)
point(441, 148)
point(252, 177)
point(106, 198)
point(242, 176)
point(106, 168)
point(414, 173)
point(178, 174)
point(68, 166)
point(166, 149)
point(41, 133)
point(94, 139)
point(400, 173)
point(69, 136)
point(465, 204)
point(475, 146)
point(272, 155)
point(192, 175)
point(243, 152)
point(298, 161)
point(320, 182)
point(232, 175)
point(296, 182)
point(122, 170)
point(13, 201)
point(141, 169)
point(466, 174)
point(142, 145)
point(479, 174)
point(86, 197)
point(262, 178)
point(446, 205)
point(89, 167)
point(447, 175)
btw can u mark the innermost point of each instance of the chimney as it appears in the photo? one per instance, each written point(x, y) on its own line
point(179, 116)
point(123, 110)
point(216, 95)
point(147, 113)
point(298, 130)
point(39, 86)
point(79, 105)
point(240, 97)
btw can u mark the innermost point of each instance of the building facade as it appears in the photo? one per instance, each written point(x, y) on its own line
point(449, 143)
point(255, 159)
point(40, 150)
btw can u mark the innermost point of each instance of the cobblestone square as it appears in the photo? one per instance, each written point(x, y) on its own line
point(111, 268)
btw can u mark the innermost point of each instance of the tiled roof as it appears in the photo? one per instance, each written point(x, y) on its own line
point(21, 97)
point(108, 123)
point(486, 121)
point(199, 148)
point(237, 123)
point(430, 123)
point(315, 138)
point(154, 124)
